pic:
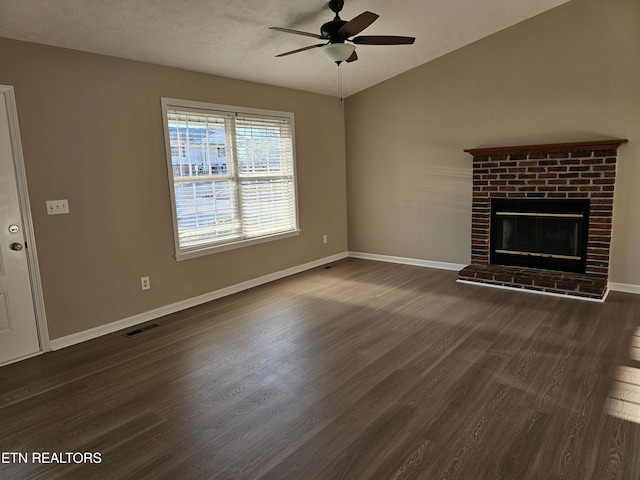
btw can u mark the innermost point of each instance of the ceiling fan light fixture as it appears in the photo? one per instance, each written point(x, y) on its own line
point(338, 52)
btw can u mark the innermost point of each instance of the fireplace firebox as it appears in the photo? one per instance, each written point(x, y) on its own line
point(540, 233)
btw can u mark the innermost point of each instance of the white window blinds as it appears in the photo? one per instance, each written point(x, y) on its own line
point(232, 175)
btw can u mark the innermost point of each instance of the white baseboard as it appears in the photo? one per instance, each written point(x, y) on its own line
point(612, 286)
point(75, 338)
point(408, 261)
point(624, 287)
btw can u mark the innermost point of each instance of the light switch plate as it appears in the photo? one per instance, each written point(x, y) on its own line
point(57, 207)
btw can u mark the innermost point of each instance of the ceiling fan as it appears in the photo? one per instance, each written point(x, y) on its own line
point(337, 32)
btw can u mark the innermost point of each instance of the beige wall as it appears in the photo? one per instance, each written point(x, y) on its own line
point(570, 74)
point(92, 133)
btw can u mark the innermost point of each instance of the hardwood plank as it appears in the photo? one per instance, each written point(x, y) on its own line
point(37, 409)
point(329, 442)
point(361, 457)
point(206, 461)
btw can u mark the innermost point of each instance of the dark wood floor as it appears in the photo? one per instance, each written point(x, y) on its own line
point(365, 370)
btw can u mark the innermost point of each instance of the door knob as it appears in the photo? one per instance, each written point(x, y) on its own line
point(16, 246)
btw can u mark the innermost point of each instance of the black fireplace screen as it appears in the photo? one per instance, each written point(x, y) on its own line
point(540, 233)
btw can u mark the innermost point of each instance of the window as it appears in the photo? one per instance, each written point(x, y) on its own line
point(232, 176)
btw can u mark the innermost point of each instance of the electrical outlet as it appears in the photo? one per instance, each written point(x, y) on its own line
point(325, 239)
point(146, 283)
point(57, 207)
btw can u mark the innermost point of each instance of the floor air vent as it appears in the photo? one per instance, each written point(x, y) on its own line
point(138, 331)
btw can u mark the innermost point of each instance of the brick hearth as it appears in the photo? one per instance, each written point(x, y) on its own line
point(567, 170)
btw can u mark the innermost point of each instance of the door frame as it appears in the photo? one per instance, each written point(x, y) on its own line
point(27, 222)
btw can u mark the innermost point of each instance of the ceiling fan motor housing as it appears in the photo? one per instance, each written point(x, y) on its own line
point(331, 31)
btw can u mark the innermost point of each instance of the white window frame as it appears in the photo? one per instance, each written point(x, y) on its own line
point(184, 253)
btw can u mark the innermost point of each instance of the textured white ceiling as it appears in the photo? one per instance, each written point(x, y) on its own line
point(231, 38)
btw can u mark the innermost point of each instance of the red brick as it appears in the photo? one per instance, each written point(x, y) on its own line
point(602, 195)
point(594, 290)
point(485, 275)
point(581, 154)
point(599, 219)
point(522, 280)
point(596, 238)
point(542, 282)
point(602, 168)
point(502, 277)
point(570, 161)
point(567, 287)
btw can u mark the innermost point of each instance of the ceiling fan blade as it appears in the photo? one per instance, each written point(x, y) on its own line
point(383, 40)
point(301, 50)
point(352, 58)
point(297, 32)
point(358, 24)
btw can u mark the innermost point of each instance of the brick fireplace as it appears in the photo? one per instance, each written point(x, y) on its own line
point(556, 174)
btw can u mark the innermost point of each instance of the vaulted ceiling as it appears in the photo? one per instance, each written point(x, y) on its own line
point(232, 39)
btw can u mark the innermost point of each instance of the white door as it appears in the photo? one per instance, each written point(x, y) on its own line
point(18, 328)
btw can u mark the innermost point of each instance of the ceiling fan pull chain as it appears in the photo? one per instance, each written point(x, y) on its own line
point(340, 84)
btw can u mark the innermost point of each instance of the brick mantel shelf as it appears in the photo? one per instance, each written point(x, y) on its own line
point(553, 171)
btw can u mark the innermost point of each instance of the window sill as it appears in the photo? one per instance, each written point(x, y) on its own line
point(199, 252)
